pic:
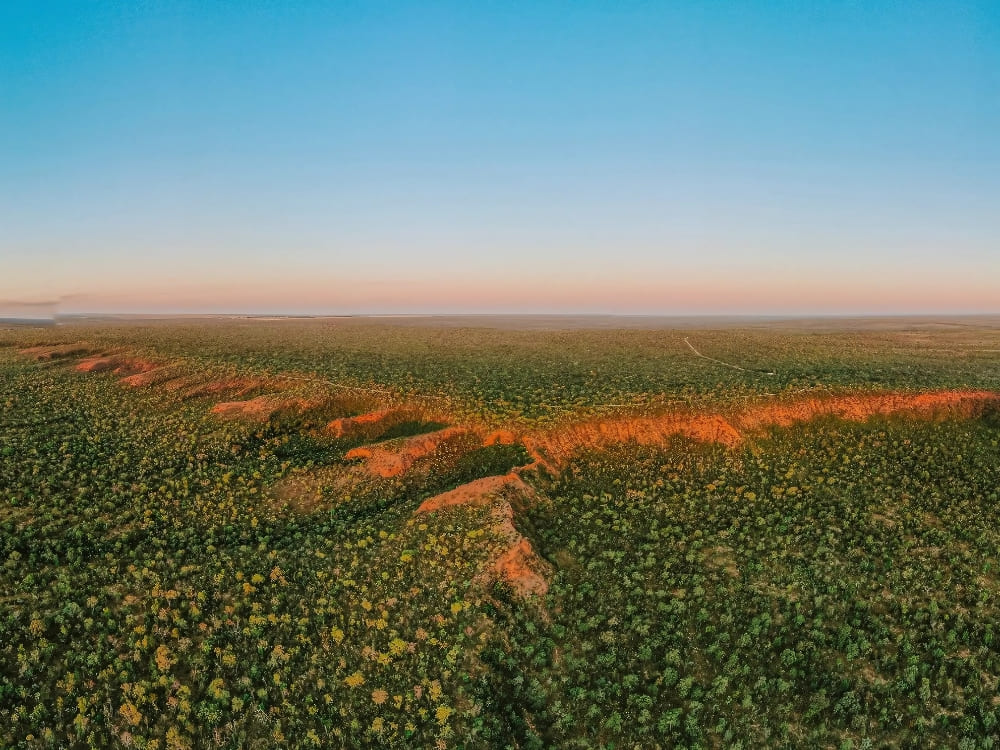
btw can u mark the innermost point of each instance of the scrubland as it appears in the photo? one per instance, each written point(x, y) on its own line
point(361, 533)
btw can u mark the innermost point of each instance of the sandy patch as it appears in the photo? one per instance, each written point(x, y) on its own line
point(859, 408)
point(147, 378)
point(523, 569)
point(519, 566)
point(97, 364)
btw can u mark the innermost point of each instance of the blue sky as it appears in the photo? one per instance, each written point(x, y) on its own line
point(535, 157)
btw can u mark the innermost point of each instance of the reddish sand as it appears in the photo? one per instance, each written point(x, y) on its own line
point(387, 461)
point(857, 408)
point(350, 426)
point(477, 493)
point(97, 364)
point(147, 378)
point(641, 430)
point(180, 382)
point(500, 437)
point(126, 366)
point(260, 409)
point(136, 367)
point(714, 428)
point(538, 461)
point(519, 567)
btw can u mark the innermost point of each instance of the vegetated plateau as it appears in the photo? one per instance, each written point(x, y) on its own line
point(364, 533)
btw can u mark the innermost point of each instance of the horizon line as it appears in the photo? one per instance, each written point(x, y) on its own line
point(520, 313)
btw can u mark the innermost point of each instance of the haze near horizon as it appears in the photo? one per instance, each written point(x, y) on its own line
point(761, 158)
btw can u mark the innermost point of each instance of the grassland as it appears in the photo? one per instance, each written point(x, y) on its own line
point(537, 543)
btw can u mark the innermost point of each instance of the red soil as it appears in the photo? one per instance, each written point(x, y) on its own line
point(386, 461)
point(538, 461)
point(500, 437)
point(181, 382)
point(714, 428)
point(858, 408)
point(149, 377)
point(260, 409)
point(97, 364)
point(641, 430)
point(130, 367)
point(350, 426)
point(519, 567)
point(477, 493)
point(126, 366)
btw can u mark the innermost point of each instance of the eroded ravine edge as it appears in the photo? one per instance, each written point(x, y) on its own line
point(518, 565)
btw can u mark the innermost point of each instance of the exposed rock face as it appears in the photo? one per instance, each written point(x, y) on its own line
point(477, 493)
point(716, 428)
point(364, 423)
point(500, 437)
point(860, 407)
point(394, 460)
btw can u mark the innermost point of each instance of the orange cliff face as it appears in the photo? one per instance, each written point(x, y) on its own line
point(475, 493)
point(558, 444)
point(857, 408)
point(393, 461)
point(350, 426)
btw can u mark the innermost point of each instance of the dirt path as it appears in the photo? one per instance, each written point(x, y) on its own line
point(719, 361)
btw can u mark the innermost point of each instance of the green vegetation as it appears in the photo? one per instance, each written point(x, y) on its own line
point(837, 584)
point(540, 375)
point(163, 585)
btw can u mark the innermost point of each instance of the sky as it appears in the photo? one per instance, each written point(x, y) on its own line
point(615, 157)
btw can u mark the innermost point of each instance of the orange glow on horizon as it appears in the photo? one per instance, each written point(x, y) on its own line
point(680, 294)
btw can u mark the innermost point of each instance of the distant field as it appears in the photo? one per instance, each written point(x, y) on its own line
point(522, 371)
point(496, 532)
